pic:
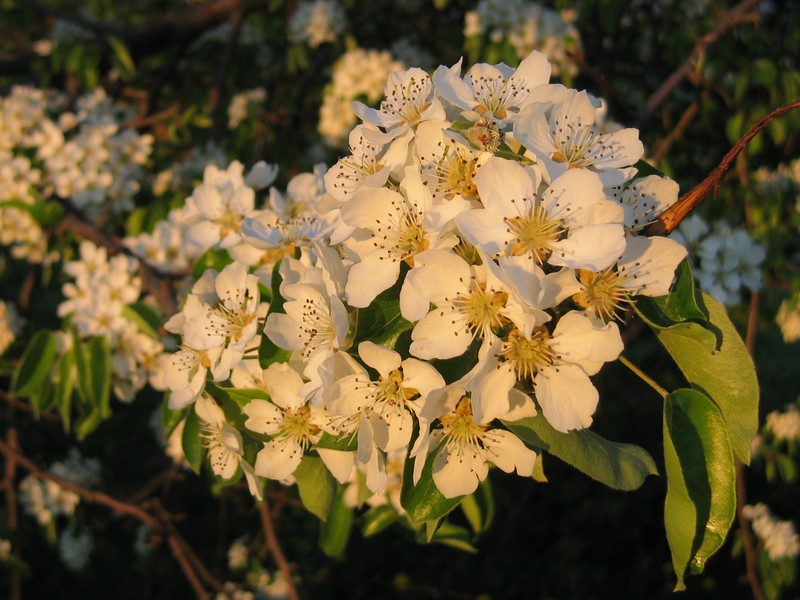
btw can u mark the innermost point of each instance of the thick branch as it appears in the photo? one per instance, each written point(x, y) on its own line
point(738, 14)
point(676, 213)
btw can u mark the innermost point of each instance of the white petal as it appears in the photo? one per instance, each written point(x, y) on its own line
point(263, 417)
point(507, 452)
point(380, 358)
point(282, 383)
point(458, 473)
point(279, 458)
point(567, 397)
point(338, 462)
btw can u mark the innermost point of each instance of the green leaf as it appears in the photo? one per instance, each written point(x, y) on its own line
point(726, 375)
point(644, 169)
point(381, 322)
point(424, 502)
point(701, 480)
point(170, 418)
point(377, 519)
point(316, 485)
point(145, 317)
point(122, 57)
point(47, 214)
point(348, 443)
point(192, 441)
point(448, 534)
point(680, 309)
point(211, 259)
point(65, 386)
point(335, 532)
point(93, 361)
point(619, 466)
point(478, 507)
point(34, 366)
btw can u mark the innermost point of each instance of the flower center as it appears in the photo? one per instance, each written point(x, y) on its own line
point(297, 425)
point(456, 175)
point(527, 356)
point(602, 293)
point(483, 308)
point(534, 234)
point(460, 427)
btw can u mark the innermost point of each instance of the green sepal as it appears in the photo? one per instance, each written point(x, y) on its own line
point(701, 480)
point(619, 466)
point(726, 374)
point(423, 501)
point(192, 440)
point(316, 486)
point(35, 364)
point(335, 531)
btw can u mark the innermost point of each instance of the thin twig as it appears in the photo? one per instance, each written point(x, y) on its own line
point(25, 407)
point(272, 541)
point(676, 213)
point(738, 14)
point(741, 486)
point(687, 117)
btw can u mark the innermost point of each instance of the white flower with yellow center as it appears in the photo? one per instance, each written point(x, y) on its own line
point(571, 224)
point(399, 226)
point(646, 268)
point(409, 99)
point(492, 93)
point(465, 445)
point(294, 425)
point(229, 318)
point(558, 365)
point(569, 138)
point(380, 412)
point(224, 444)
point(469, 302)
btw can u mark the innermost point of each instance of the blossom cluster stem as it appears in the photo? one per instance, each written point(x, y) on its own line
point(644, 377)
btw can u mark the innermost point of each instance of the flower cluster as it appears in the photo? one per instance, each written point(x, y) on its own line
point(243, 103)
point(358, 73)
point(779, 537)
point(727, 260)
point(528, 26)
point(507, 238)
point(87, 156)
point(316, 22)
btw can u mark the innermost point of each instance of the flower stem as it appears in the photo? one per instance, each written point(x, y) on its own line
point(644, 377)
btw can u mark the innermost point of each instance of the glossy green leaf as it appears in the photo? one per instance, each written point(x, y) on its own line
point(335, 532)
point(122, 57)
point(701, 480)
point(680, 309)
point(35, 364)
point(377, 519)
point(424, 502)
point(93, 363)
point(619, 466)
point(726, 375)
point(316, 485)
point(65, 386)
point(381, 322)
point(348, 443)
point(170, 418)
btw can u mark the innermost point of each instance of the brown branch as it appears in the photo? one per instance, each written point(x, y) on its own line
point(275, 548)
point(26, 407)
point(11, 505)
point(738, 14)
point(741, 487)
point(686, 118)
point(179, 26)
point(676, 213)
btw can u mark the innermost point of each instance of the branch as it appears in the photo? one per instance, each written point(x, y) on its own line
point(730, 19)
point(176, 27)
point(275, 547)
point(676, 213)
